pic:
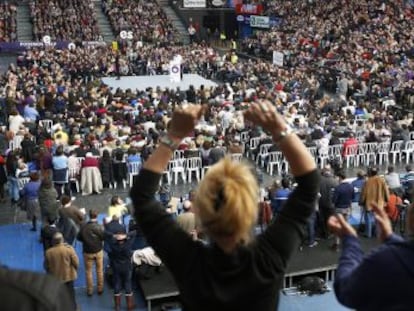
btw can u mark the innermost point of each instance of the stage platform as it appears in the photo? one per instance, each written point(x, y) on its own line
point(161, 285)
point(321, 260)
point(163, 81)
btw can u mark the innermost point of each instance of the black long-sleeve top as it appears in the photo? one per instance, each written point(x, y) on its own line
point(209, 279)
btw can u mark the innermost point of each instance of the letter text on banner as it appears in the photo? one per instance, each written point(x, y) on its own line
point(259, 21)
point(194, 3)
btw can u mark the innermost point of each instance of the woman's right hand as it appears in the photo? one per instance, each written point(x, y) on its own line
point(264, 114)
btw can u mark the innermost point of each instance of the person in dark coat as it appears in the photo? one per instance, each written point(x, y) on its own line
point(30, 195)
point(47, 233)
point(28, 147)
point(120, 261)
point(105, 166)
point(3, 178)
point(47, 200)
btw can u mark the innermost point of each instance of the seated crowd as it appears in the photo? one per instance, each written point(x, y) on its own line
point(63, 20)
point(8, 22)
point(145, 19)
point(65, 131)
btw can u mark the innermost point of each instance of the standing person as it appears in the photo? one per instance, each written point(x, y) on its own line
point(30, 196)
point(375, 191)
point(12, 164)
point(105, 166)
point(47, 232)
point(280, 196)
point(358, 184)
point(62, 262)
point(187, 219)
point(47, 200)
point(326, 209)
point(226, 272)
point(92, 236)
point(342, 200)
point(117, 208)
point(363, 282)
point(3, 178)
point(121, 263)
point(393, 180)
point(60, 171)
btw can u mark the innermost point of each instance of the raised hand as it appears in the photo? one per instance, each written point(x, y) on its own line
point(184, 119)
point(383, 222)
point(340, 227)
point(264, 114)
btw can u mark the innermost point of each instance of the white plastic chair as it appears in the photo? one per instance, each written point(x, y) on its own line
point(237, 157)
point(263, 154)
point(176, 167)
point(408, 150)
point(16, 142)
point(275, 161)
point(383, 152)
point(133, 170)
point(74, 178)
point(335, 152)
point(46, 124)
point(370, 153)
point(395, 151)
point(22, 181)
point(253, 144)
point(193, 165)
point(350, 155)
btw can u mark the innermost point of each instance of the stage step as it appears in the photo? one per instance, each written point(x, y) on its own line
point(103, 23)
point(24, 25)
point(176, 21)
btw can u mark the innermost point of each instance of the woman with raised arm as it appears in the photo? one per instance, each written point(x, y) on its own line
point(235, 271)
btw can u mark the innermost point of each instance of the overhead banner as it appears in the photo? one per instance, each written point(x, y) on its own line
point(59, 45)
point(259, 21)
point(194, 3)
point(251, 9)
point(278, 58)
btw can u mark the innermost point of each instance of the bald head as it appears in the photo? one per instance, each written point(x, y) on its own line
point(58, 238)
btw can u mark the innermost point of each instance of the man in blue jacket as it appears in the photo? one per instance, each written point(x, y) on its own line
point(342, 200)
point(382, 280)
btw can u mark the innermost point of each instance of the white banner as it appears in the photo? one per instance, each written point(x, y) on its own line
point(175, 70)
point(259, 21)
point(194, 3)
point(278, 58)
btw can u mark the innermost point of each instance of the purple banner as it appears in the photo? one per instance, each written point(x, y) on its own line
point(59, 45)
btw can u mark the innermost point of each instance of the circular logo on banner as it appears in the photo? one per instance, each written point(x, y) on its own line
point(175, 69)
point(71, 46)
point(46, 39)
point(240, 18)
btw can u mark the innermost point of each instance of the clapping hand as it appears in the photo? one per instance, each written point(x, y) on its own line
point(340, 227)
point(383, 223)
point(184, 119)
point(264, 114)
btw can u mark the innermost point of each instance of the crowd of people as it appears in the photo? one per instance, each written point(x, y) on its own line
point(146, 20)
point(62, 125)
point(64, 21)
point(8, 22)
point(369, 42)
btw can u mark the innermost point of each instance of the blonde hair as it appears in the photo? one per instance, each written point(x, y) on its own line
point(227, 200)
